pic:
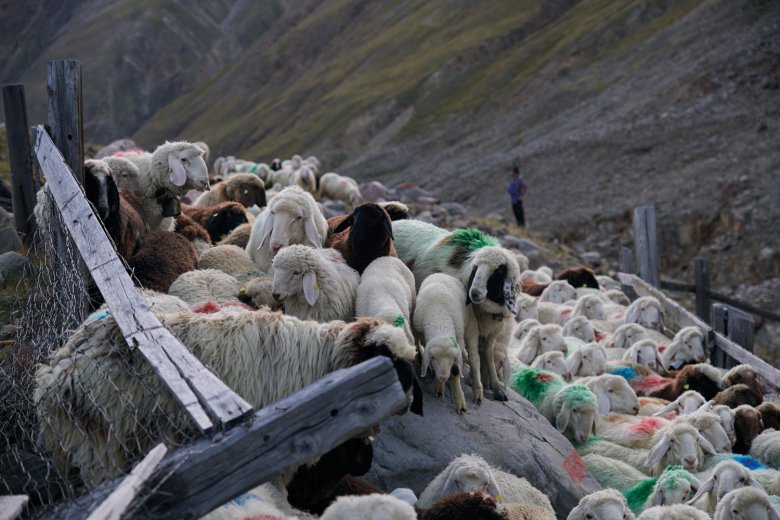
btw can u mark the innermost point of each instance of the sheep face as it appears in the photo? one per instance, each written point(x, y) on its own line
point(558, 291)
point(688, 403)
point(687, 346)
point(554, 362)
point(727, 417)
point(467, 478)
point(286, 224)
point(527, 308)
point(645, 311)
point(295, 272)
point(491, 284)
point(248, 190)
point(602, 505)
point(524, 327)
point(446, 356)
point(716, 434)
point(100, 188)
point(679, 444)
point(746, 504)
point(591, 307)
point(577, 407)
point(727, 477)
point(626, 335)
point(622, 398)
point(645, 352)
point(588, 360)
point(580, 328)
point(674, 489)
point(186, 168)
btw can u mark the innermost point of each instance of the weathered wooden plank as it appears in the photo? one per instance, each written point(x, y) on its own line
point(198, 478)
point(66, 118)
point(11, 506)
point(739, 328)
point(171, 360)
point(646, 245)
point(113, 507)
point(720, 323)
point(626, 260)
point(701, 270)
point(20, 159)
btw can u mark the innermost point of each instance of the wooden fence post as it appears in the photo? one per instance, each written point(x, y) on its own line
point(720, 319)
point(702, 280)
point(20, 158)
point(646, 245)
point(735, 325)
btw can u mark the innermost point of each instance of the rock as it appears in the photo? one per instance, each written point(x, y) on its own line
point(453, 209)
point(494, 215)
point(531, 251)
point(426, 216)
point(374, 191)
point(12, 266)
point(413, 194)
point(410, 450)
point(427, 201)
point(9, 238)
point(334, 208)
point(592, 258)
point(118, 147)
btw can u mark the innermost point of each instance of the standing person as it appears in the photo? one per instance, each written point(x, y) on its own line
point(517, 189)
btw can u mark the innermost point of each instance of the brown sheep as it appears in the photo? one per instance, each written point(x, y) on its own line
point(770, 415)
point(245, 188)
point(746, 375)
point(161, 258)
point(701, 377)
point(579, 276)
point(190, 229)
point(463, 506)
point(218, 220)
point(238, 237)
point(736, 395)
point(747, 426)
point(362, 236)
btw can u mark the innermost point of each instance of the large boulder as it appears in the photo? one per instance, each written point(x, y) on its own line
point(410, 450)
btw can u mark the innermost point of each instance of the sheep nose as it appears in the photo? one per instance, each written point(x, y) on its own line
point(475, 295)
point(275, 247)
point(636, 410)
point(689, 461)
point(277, 296)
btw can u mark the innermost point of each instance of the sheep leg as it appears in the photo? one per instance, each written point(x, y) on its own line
point(472, 347)
point(486, 351)
point(457, 394)
point(440, 387)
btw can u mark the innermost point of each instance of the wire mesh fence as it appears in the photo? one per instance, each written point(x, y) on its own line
point(77, 406)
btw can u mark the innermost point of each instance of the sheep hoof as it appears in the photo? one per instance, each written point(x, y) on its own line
point(499, 395)
point(439, 394)
point(461, 410)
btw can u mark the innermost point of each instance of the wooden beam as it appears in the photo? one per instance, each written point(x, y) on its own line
point(11, 506)
point(197, 478)
point(626, 260)
point(66, 118)
point(20, 159)
point(720, 324)
point(113, 507)
point(646, 245)
point(701, 269)
point(739, 329)
point(172, 361)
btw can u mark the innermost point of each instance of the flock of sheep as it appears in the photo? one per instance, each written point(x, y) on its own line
point(272, 296)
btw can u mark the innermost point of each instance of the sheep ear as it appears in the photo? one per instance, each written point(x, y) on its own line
point(451, 486)
point(575, 362)
point(632, 314)
point(659, 359)
point(604, 405)
point(755, 483)
point(773, 514)
point(426, 360)
point(347, 222)
point(658, 499)
point(705, 488)
point(671, 407)
point(388, 227)
point(509, 296)
point(658, 451)
point(706, 407)
point(268, 226)
point(633, 355)
point(311, 232)
point(311, 290)
point(176, 172)
point(562, 419)
point(706, 445)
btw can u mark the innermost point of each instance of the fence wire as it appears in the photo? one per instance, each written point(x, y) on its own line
point(70, 416)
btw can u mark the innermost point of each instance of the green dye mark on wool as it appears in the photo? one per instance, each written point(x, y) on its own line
point(472, 239)
point(637, 495)
point(399, 321)
point(533, 384)
point(579, 395)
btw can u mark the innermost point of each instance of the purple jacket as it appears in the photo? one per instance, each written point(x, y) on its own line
point(517, 189)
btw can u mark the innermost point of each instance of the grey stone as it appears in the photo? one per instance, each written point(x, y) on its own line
point(12, 266)
point(410, 450)
point(9, 238)
point(374, 191)
point(453, 208)
point(334, 208)
point(413, 194)
point(592, 258)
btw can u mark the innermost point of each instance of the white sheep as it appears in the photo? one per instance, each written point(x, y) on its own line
point(607, 283)
point(527, 308)
point(645, 352)
point(277, 355)
point(590, 306)
point(540, 276)
point(646, 311)
point(523, 328)
point(613, 394)
point(727, 476)
point(315, 284)
point(555, 362)
point(687, 345)
point(229, 259)
point(588, 360)
point(674, 486)
point(726, 415)
point(442, 320)
point(608, 504)
point(165, 175)
point(766, 448)
point(581, 328)
point(387, 292)
point(612, 473)
point(625, 336)
point(369, 507)
point(291, 217)
point(471, 473)
point(263, 501)
point(711, 429)
point(746, 503)
point(687, 403)
point(673, 512)
point(618, 297)
point(203, 286)
point(541, 339)
point(340, 187)
point(629, 430)
point(558, 291)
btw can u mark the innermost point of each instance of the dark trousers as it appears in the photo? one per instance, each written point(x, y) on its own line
point(517, 208)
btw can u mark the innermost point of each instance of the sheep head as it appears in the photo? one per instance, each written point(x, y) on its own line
point(246, 189)
point(687, 346)
point(728, 476)
point(644, 352)
point(183, 164)
point(295, 271)
point(467, 474)
point(614, 395)
point(627, 334)
point(491, 284)
point(710, 427)
point(746, 504)
point(554, 362)
point(646, 311)
point(579, 327)
point(559, 291)
point(588, 360)
point(291, 219)
point(527, 308)
point(540, 339)
point(679, 443)
point(576, 416)
point(100, 188)
point(447, 358)
point(674, 486)
point(608, 504)
point(685, 404)
point(589, 306)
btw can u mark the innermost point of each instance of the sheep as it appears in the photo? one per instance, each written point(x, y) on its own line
point(737, 395)
point(710, 427)
point(612, 473)
point(747, 426)
point(264, 501)
point(702, 377)
point(770, 415)
point(607, 283)
point(124, 172)
point(687, 403)
point(746, 503)
point(746, 375)
point(527, 308)
point(628, 430)
point(315, 284)
point(362, 236)
point(339, 187)
point(644, 352)
point(535, 277)
point(292, 217)
point(489, 274)
point(442, 320)
point(645, 311)
point(554, 362)
point(218, 220)
point(673, 512)
point(369, 507)
point(471, 473)
point(386, 291)
point(244, 188)
point(166, 174)
point(608, 504)
point(571, 408)
point(727, 476)
point(523, 328)
point(626, 335)
point(769, 480)
point(726, 416)
point(541, 339)
point(74, 383)
point(618, 297)
point(613, 394)
point(674, 486)
point(204, 285)
point(558, 291)
point(581, 328)
point(161, 258)
point(687, 346)
point(465, 506)
point(192, 231)
point(239, 236)
point(579, 276)
point(588, 360)
point(258, 291)
point(229, 259)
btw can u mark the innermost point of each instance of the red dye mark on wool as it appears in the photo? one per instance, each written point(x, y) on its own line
point(544, 377)
point(575, 467)
point(646, 426)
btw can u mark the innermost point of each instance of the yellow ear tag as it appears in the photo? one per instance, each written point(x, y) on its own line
point(316, 285)
point(687, 387)
point(498, 497)
point(241, 290)
point(170, 169)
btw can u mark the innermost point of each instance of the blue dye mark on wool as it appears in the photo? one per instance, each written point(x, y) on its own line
point(98, 315)
point(241, 499)
point(626, 372)
point(749, 462)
